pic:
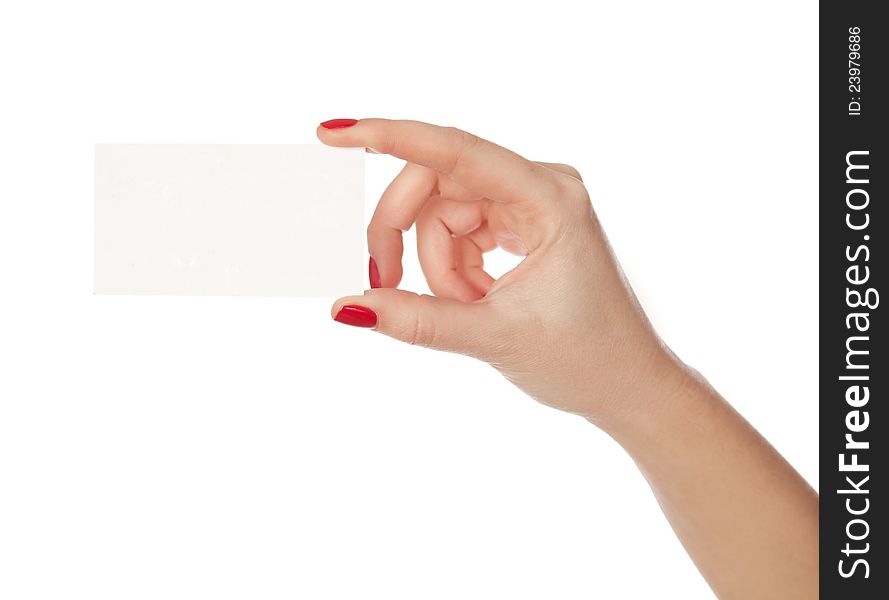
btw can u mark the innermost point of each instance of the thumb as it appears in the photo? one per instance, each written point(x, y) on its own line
point(424, 320)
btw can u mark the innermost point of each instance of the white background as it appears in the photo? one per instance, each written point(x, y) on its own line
point(252, 448)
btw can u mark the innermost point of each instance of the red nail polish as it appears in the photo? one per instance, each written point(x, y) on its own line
point(373, 273)
point(357, 316)
point(338, 123)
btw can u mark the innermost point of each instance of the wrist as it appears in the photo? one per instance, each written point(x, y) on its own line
point(656, 402)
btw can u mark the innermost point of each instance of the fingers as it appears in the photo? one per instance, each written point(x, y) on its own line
point(446, 255)
point(476, 164)
point(422, 320)
point(471, 262)
point(395, 213)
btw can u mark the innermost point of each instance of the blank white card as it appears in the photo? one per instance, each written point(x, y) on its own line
point(264, 220)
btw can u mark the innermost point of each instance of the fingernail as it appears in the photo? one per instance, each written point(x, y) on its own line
point(338, 123)
point(373, 273)
point(372, 151)
point(357, 316)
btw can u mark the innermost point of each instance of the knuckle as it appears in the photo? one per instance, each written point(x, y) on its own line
point(422, 331)
point(463, 142)
point(569, 170)
point(574, 192)
point(386, 142)
point(460, 137)
point(374, 227)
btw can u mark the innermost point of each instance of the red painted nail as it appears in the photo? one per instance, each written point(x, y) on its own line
point(357, 316)
point(373, 273)
point(338, 123)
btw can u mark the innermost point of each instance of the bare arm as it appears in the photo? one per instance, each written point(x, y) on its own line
point(745, 516)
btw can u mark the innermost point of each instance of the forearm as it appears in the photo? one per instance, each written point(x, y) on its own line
point(746, 517)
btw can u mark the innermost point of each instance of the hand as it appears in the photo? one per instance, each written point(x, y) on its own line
point(563, 325)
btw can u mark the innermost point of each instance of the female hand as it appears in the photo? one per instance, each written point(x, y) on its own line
point(563, 325)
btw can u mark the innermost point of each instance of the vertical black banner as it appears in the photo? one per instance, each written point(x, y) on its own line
point(854, 372)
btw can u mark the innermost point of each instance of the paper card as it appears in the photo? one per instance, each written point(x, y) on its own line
point(243, 220)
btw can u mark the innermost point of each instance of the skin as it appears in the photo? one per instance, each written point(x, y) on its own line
point(566, 328)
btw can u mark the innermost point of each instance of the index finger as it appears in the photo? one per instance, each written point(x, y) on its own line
point(476, 164)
